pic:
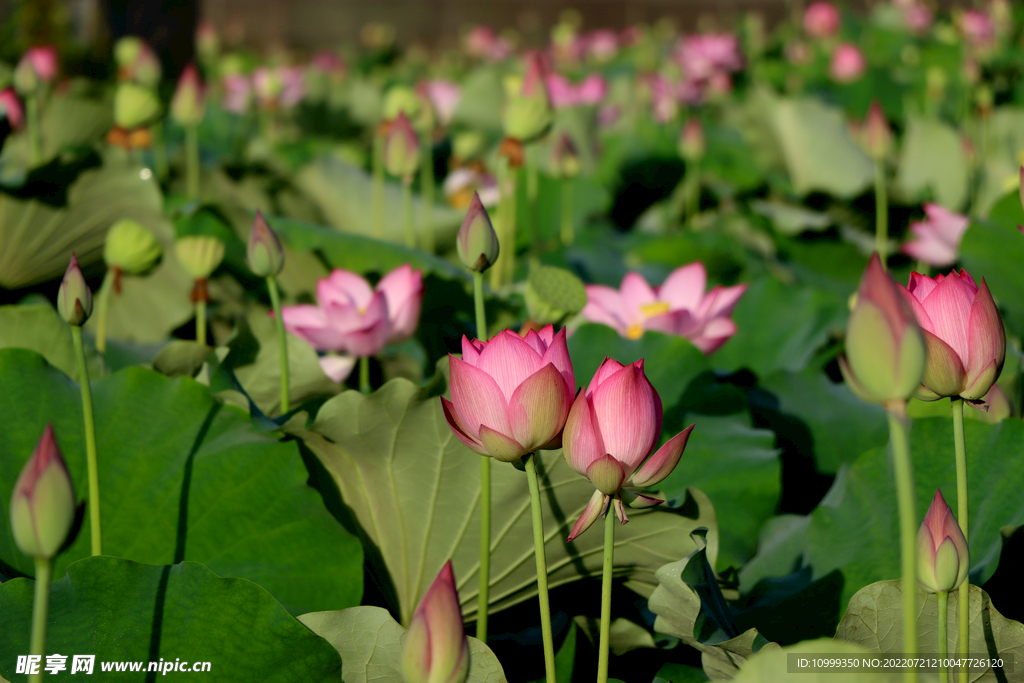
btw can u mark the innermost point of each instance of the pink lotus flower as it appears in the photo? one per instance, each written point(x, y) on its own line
point(278, 87)
point(679, 306)
point(664, 98)
point(821, 19)
point(10, 106)
point(963, 332)
point(848, 63)
point(564, 93)
point(355, 319)
point(482, 42)
point(44, 61)
point(613, 425)
point(510, 395)
point(943, 559)
point(435, 649)
point(237, 93)
point(938, 237)
point(978, 29)
point(444, 98)
point(602, 45)
point(700, 56)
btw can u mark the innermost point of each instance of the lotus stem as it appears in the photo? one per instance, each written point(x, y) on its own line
point(192, 161)
point(485, 486)
point(513, 212)
point(881, 213)
point(691, 191)
point(90, 442)
point(606, 595)
point(102, 306)
point(943, 597)
point(159, 151)
point(35, 140)
point(908, 531)
point(282, 342)
point(40, 607)
point(532, 186)
point(410, 220)
point(960, 449)
point(201, 321)
point(427, 195)
point(568, 227)
point(377, 163)
point(498, 269)
point(364, 374)
point(542, 570)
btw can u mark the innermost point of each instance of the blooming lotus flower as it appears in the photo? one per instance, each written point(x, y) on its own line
point(74, 299)
point(612, 427)
point(963, 332)
point(848, 63)
point(43, 503)
point(700, 56)
point(510, 395)
point(885, 347)
point(679, 306)
point(938, 237)
point(444, 97)
point(10, 106)
point(942, 555)
point(821, 19)
point(435, 649)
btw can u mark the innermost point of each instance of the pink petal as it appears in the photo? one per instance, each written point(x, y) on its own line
point(986, 337)
point(581, 443)
point(944, 372)
point(661, 464)
point(338, 368)
point(403, 289)
point(714, 335)
point(624, 412)
point(608, 367)
point(724, 300)
point(557, 353)
point(595, 508)
point(684, 287)
point(928, 249)
point(509, 360)
point(604, 306)
point(310, 324)
point(471, 350)
point(638, 501)
point(344, 286)
point(949, 307)
point(538, 408)
point(591, 90)
point(920, 285)
point(455, 424)
point(923, 319)
point(635, 293)
point(477, 399)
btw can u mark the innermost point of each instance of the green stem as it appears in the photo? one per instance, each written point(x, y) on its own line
point(377, 163)
point(691, 192)
point(960, 449)
point(35, 139)
point(427, 196)
point(90, 442)
point(410, 220)
point(364, 374)
point(159, 152)
point(282, 342)
point(606, 594)
point(532, 186)
point(568, 226)
point(513, 212)
point(201, 321)
point(881, 213)
point(943, 597)
point(192, 161)
point(44, 569)
point(498, 269)
point(478, 306)
point(542, 570)
point(908, 530)
point(102, 306)
point(485, 548)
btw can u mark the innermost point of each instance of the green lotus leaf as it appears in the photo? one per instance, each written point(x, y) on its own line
point(771, 665)
point(933, 163)
point(37, 327)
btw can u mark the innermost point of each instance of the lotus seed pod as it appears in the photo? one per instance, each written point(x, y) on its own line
point(199, 254)
point(131, 247)
point(135, 105)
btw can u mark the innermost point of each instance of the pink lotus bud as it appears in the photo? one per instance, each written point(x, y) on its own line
point(938, 237)
point(207, 42)
point(74, 299)
point(680, 306)
point(37, 67)
point(43, 503)
point(963, 332)
point(10, 106)
point(691, 140)
point(189, 99)
point(511, 395)
point(477, 242)
point(821, 19)
point(435, 649)
point(885, 348)
point(877, 134)
point(401, 149)
point(942, 555)
point(264, 252)
point(444, 97)
point(848, 63)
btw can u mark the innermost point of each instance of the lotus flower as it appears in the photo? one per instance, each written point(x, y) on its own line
point(938, 237)
point(942, 555)
point(602, 45)
point(435, 649)
point(848, 63)
point(477, 243)
point(564, 93)
point(43, 503)
point(963, 332)
point(74, 298)
point(978, 29)
point(679, 306)
point(511, 395)
point(280, 87)
point(612, 427)
point(189, 99)
point(444, 97)
point(401, 149)
point(237, 93)
point(10, 106)
point(37, 67)
point(821, 19)
point(264, 253)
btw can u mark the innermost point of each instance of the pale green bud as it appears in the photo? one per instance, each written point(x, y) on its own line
point(131, 247)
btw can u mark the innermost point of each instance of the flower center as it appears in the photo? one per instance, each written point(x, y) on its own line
point(654, 308)
point(634, 331)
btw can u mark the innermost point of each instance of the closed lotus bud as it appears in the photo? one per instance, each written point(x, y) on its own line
point(435, 649)
point(528, 114)
point(131, 247)
point(691, 141)
point(401, 99)
point(74, 299)
point(264, 252)
point(942, 556)
point(187, 105)
point(877, 134)
point(199, 254)
point(38, 66)
point(477, 242)
point(43, 502)
point(135, 105)
point(401, 149)
point(136, 62)
point(565, 158)
point(885, 348)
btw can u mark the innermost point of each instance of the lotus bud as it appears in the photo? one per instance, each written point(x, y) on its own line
point(401, 99)
point(134, 105)
point(565, 158)
point(188, 102)
point(136, 62)
point(131, 247)
point(74, 300)
point(401, 149)
point(477, 242)
point(38, 66)
point(877, 134)
point(885, 348)
point(435, 649)
point(199, 254)
point(691, 141)
point(528, 114)
point(11, 107)
point(264, 254)
point(942, 556)
point(43, 503)
point(207, 42)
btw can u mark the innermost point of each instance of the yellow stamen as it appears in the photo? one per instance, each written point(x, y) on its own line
point(634, 331)
point(654, 308)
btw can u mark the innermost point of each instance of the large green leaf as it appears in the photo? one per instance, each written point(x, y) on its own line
point(414, 490)
point(933, 164)
point(875, 621)
point(39, 328)
point(772, 665)
point(122, 611)
point(370, 643)
point(181, 478)
point(854, 529)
